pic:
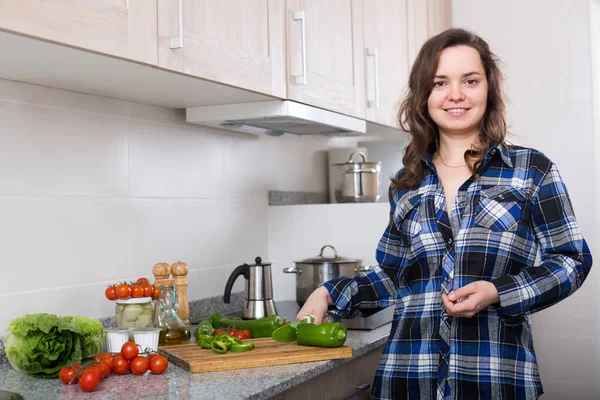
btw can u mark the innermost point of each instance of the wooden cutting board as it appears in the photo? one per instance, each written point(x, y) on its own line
point(267, 352)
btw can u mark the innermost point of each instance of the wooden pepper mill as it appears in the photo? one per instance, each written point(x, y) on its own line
point(180, 271)
point(162, 272)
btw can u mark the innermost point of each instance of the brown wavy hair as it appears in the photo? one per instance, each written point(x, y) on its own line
point(414, 117)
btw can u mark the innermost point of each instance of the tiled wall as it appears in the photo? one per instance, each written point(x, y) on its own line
point(545, 53)
point(96, 190)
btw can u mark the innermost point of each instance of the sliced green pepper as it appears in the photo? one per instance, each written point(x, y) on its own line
point(220, 346)
point(327, 334)
point(240, 347)
point(262, 327)
point(204, 328)
point(206, 343)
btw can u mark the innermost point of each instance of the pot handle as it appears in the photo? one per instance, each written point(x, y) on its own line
point(292, 270)
point(332, 248)
point(360, 153)
point(362, 268)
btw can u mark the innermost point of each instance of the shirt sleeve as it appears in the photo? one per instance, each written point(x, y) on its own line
point(369, 292)
point(565, 256)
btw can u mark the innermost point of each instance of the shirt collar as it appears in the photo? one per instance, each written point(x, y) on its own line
point(499, 149)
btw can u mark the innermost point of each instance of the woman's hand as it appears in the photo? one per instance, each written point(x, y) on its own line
point(316, 304)
point(476, 296)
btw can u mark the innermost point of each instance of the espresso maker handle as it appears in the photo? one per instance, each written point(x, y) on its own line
point(244, 270)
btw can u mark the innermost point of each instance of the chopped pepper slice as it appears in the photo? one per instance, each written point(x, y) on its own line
point(240, 347)
point(286, 333)
point(219, 346)
point(327, 334)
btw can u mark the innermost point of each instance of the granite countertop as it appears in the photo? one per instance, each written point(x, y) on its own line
point(252, 383)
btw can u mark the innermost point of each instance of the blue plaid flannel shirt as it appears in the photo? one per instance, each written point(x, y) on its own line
point(517, 207)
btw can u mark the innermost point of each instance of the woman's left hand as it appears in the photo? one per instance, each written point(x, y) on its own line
point(475, 297)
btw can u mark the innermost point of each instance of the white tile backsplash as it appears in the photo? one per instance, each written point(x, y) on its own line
point(96, 191)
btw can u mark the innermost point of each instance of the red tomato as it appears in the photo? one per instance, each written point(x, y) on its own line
point(158, 364)
point(123, 291)
point(148, 290)
point(120, 366)
point(156, 294)
point(219, 331)
point(247, 333)
point(129, 351)
point(106, 356)
point(240, 335)
point(68, 375)
point(232, 331)
point(142, 280)
point(137, 291)
point(139, 365)
point(97, 369)
point(110, 293)
point(89, 381)
point(106, 367)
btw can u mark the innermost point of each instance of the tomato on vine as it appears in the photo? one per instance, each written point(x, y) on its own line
point(111, 293)
point(123, 291)
point(89, 381)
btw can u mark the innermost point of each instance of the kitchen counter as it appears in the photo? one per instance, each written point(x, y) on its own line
point(176, 383)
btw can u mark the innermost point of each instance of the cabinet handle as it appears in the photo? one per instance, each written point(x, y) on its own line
point(177, 41)
point(299, 16)
point(374, 103)
point(359, 389)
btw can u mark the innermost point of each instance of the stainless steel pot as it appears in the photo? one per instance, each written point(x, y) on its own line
point(360, 181)
point(313, 271)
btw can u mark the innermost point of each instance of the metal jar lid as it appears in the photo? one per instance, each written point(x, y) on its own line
point(320, 259)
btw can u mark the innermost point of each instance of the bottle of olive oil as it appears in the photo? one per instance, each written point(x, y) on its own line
point(172, 329)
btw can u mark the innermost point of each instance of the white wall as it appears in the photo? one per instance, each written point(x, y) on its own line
point(95, 190)
point(545, 48)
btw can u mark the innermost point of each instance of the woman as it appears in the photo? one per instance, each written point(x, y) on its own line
point(469, 214)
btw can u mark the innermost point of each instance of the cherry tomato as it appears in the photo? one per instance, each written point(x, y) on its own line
point(106, 356)
point(110, 293)
point(148, 290)
point(232, 332)
point(156, 294)
point(129, 351)
point(106, 367)
point(137, 291)
point(247, 333)
point(151, 356)
point(139, 365)
point(158, 364)
point(68, 374)
point(142, 280)
point(123, 291)
point(97, 369)
point(89, 381)
point(120, 366)
point(219, 331)
point(240, 335)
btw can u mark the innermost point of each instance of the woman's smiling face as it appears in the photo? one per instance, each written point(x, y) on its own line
point(458, 100)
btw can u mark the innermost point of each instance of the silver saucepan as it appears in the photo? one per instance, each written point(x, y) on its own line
point(311, 272)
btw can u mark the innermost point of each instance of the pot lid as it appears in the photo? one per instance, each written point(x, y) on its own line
point(352, 163)
point(335, 259)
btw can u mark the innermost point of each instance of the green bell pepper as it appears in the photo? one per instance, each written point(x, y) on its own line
point(327, 334)
point(241, 347)
point(262, 327)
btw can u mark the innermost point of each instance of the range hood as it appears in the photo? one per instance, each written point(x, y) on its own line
point(276, 118)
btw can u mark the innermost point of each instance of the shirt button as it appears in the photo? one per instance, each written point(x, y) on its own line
point(462, 203)
point(494, 151)
point(450, 241)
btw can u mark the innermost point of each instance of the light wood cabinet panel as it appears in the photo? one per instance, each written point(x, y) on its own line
point(325, 46)
point(122, 28)
point(425, 19)
point(386, 58)
point(239, 43)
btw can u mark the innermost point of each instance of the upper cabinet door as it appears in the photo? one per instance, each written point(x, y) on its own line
point(123, 28)
point(239, 43)
point(386, 59)
point(425, 19)
point(325, 54)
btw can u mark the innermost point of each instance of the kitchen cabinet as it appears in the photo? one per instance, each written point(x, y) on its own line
point(238, 43)
point(425, 19)
point(341, 382)
point(121, 28)
point(325, 54)
point(386, 58)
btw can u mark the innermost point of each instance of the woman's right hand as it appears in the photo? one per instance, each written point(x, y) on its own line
point(316, 304)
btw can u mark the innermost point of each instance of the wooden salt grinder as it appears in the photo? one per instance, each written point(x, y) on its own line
point(180, 271)
point(162, 272)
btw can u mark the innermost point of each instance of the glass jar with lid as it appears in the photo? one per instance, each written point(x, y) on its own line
point(134, 313)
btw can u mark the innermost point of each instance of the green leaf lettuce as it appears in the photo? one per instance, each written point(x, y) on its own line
point(41, 344)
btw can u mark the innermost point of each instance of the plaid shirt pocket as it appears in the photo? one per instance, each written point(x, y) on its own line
point(500, 208)
point(407, 218)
